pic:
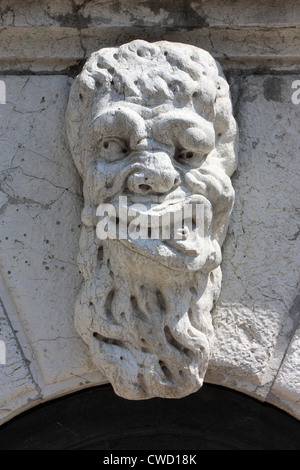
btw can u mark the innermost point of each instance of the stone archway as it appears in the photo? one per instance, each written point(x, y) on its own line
point(215, 418)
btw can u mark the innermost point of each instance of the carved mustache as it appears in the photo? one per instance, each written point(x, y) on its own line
point(211, 183)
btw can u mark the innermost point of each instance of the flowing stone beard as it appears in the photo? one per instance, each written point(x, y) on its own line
point(145, 305)
point(148, 327)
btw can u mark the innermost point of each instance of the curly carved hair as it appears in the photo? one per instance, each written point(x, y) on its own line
point(152, 74)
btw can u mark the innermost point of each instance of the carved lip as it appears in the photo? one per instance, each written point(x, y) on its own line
point(158, 206)
point(177, 252)
point(194, 210)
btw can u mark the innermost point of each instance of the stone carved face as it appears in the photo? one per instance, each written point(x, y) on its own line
point(152, 122)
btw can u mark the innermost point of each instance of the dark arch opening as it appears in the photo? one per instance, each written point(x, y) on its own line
point(215, 418)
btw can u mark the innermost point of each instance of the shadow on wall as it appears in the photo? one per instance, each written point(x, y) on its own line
point(214, 418)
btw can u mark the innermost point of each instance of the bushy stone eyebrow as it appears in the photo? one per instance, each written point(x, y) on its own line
point(169, 129)
point(118, 122)
point(175, 128)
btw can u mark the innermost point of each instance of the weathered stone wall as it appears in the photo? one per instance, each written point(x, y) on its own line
point(43, 46)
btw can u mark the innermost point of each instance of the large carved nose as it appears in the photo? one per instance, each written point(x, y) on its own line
point(155, 174)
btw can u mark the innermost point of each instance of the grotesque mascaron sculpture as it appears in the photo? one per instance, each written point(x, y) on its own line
point(152, 123)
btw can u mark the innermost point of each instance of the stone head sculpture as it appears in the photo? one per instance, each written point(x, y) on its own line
point(152, 123)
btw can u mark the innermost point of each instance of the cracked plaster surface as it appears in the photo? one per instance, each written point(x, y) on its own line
point(17, 384)
point(40, 204)
point(261, 256)
point(57, 35)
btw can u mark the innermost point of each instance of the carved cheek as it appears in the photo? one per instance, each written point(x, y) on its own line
point(101, 177)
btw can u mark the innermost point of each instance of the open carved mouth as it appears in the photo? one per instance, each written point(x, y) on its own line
point(174, 231)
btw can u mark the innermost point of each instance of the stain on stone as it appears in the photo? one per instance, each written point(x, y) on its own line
point(180, 11)
point(273, 89)
point(74, 19)
point(294, 312)
point(71, 20)
point(74, 70)
point(116, 6)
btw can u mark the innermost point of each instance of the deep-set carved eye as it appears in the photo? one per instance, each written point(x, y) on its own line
point(186, 157)
point(113, 149)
